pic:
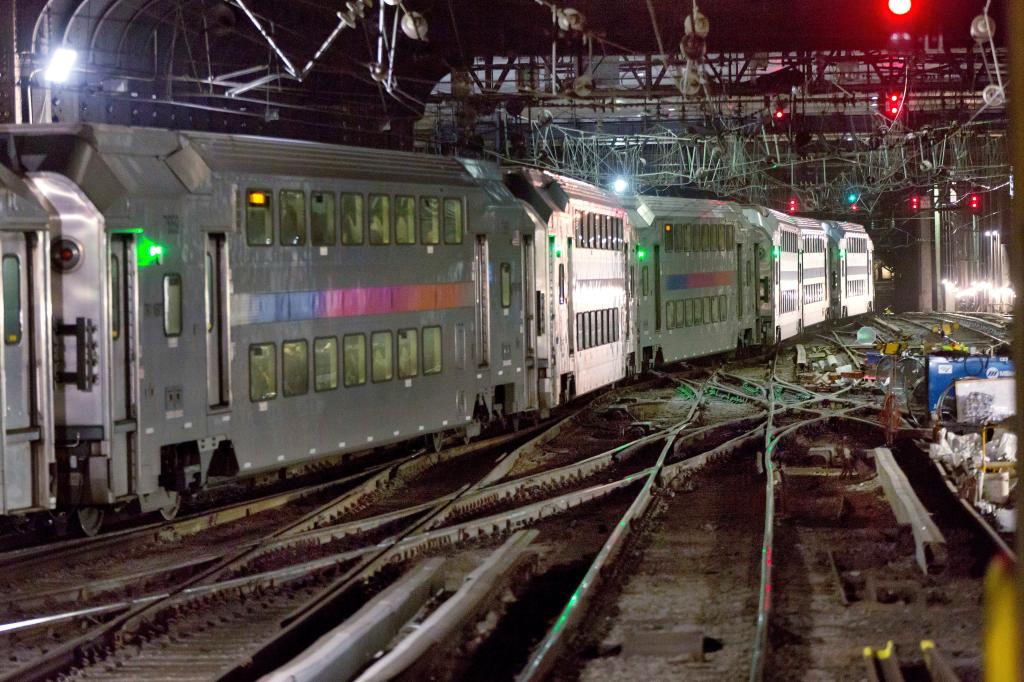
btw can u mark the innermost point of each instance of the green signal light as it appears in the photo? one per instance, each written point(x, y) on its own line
point(149, 252)
point(640, 254)
point(842, 253)
point(852, 197)
point(776, 251)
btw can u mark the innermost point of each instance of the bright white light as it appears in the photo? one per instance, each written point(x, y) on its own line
point(620, 185)
point(899, 7)
point(60, 65)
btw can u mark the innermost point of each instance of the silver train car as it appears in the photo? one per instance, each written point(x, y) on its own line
point(182, 309)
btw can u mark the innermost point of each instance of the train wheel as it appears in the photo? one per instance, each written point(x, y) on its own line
point(89, 520)
point(170, 511)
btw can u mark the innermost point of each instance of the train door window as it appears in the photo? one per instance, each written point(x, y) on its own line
point(430, 220)
point(408, 353)
point(383, 364)
point(688, 312)
point(352, 219)
point(293, 217)
point(506, 285)
point(172, 305)
point(321, 219)
point(354, 359)
point(12, 299)
point(380, 219)
point(115, 295)
point(453, 222)
point(259, 222)
point(325, 363)
point(561, 283)
point(210, 281)
point(405, 220)
point(645, 281)
point(541, 313)
point(262, 372)
point(295, 367)
point(432, 350)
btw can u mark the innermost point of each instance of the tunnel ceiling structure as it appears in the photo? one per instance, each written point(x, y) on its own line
point(765, 101)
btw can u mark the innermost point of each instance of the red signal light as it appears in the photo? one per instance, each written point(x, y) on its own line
point(779, 114)
point(893, 104)
point(974, 203)
point(794, 205)
point(915, 203)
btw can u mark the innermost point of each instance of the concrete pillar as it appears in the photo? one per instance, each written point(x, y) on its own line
point(928, 276)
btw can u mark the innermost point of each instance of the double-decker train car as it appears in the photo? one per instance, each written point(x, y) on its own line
point(584, 309)
point(26, 370)
point(185, 308)
point(850, 257)
point(698, 272)
point(213, 292)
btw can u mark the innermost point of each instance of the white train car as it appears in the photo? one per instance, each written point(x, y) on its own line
point(697, 277)
point(584, 323)
point(813, 265)
point(851, 254)
point(785, 267)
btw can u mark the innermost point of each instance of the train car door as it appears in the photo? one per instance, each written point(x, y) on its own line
point(25, 469)
point(218, 332)
point(123, 333)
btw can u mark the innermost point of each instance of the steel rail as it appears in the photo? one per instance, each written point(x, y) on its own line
point(545, 654)
point(764, 601)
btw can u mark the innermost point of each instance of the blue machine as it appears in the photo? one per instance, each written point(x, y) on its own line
point(943, 371)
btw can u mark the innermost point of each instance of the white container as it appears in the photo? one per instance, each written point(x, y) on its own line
point(997, 487)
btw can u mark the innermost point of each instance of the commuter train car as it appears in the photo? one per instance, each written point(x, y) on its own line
point(212, 292)
point(850, 257)
point(783, 311)
point(26, 428)
point(813, 266)
point(584, 337)
point(698, 271)
point(182, 308)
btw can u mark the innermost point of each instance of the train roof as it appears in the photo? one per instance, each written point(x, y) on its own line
point(549, 192)
point(20, 207)
point(109, 160)
point(646, 211)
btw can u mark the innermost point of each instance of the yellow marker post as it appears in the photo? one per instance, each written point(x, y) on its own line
point(1002, 647)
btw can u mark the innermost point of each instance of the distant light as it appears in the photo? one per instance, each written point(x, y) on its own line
point(780, 114)
point(620, 185)
point(156, 251)
point(257, 198)
point(899, 7)
point(59, 68)
point(852, 197)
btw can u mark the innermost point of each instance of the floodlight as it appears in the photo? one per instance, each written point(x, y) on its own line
point(59, 68)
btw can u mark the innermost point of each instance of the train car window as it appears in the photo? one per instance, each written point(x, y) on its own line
point(506, 285)
point(615, 325)
point(293, 217)
point(12, 300)
point(430, 220)
point(262, 372)
point(645, 281)
point(669, 239)
point(325, 363)
point(723, 307)
point(721, 237)
point(577, 226)
point(682, 232)
point(383, 363)
point(321, 219)
point(295, 367)
point(352, 219)
point(580, 335)
point(405, 220)
point(618, 232)
point(408, 353)
point(707, 310)
point(172, 305)
point(588, 241)
point(432, 350)
point(453, 222)
point(115, 295)
point(688, 312)
point(211, 293)
point(670, 314)
point(541, 313)
point(697, 318)
point(354, 352)
point(380, 219)
point(259, 221)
